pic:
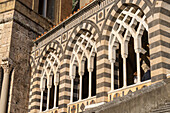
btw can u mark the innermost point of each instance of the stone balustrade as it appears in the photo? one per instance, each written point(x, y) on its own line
point(79, 106)
point(127, 90)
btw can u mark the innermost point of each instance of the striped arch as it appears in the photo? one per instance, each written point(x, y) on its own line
point(118, 7)
point(85, 47)
point(84, 51)
point(54, 46)
point(105, 67)
point(85, 25)
point(157, 20)
point(130, 23)
point(93, 30)
point(35, 92)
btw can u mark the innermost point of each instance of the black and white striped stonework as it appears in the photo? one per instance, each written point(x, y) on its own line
point(65, 90)
point(158, 20)
point(35, 93)
point(157, 14)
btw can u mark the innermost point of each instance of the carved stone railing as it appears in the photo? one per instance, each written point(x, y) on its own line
point(79, 106)
point(127, 90)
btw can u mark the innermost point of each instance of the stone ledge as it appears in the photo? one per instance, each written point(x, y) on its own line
point(7, 6)
point(32, 15)
point(142, 101)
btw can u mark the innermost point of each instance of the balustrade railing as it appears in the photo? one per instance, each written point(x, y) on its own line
point(79, 106)
point(127, 90)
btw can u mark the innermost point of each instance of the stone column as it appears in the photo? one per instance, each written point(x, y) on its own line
point(48, 97)
point(81, 73)
point(124, 72)
point(80, 92)
point(90, 70)
point(72, 77)
point(138, 67)
point(55, 95)
point(138, 47)
point(41, 104)
point(112, 59)
point(45, 8)
point(112, 74)
point(5, 85)
point(124, 54)
point(56, 82)
point(90, 83)
point(72, 86)
point(49, 85)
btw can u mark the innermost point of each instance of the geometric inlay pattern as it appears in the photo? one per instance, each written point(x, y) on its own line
point(82, 106)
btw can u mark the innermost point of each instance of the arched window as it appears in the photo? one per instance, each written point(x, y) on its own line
point(129, 48)
point(50, 82)
point(82, 67)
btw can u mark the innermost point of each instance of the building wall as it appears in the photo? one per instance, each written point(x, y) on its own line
point(21, 39)
point(100, 20)
point(83, 2)
point(66, 8)
point(6, 20)
point(62, 9)
point(28, 3)
point(19, 25)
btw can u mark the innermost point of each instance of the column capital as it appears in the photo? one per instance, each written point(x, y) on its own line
point(138, 50)
point(112, 60)
point(56, 84)
point(7, 64)
point(81, 75)
point(90, 70)
point(124, 56)
point(72, 77)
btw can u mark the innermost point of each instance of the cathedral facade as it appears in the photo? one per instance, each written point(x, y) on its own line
point(64, 56)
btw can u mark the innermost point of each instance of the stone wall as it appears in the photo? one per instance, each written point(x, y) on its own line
point(28, 3)
point(31, 20)
point(5, 33)
point(24, 30)
point(142, 101)
point(19, 25)
point(22, 36)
